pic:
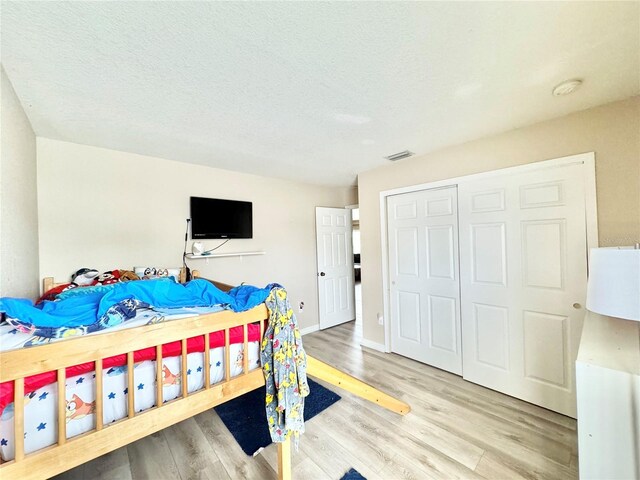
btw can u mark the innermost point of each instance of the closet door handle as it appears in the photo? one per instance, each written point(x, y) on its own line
point(321, 274)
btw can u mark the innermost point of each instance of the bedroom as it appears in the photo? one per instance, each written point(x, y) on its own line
point(113, 115)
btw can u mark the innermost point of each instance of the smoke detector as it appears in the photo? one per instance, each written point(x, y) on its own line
point(567, 87)
point(399, 156)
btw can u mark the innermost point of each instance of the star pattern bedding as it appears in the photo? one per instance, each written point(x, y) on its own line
point(11, 338)
point(40, 411)
point(41, 391)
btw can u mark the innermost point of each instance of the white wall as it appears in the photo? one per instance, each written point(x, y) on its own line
point(107, 209)
point(18, 199)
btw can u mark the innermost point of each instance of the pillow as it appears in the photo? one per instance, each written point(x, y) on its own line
point(146, 273)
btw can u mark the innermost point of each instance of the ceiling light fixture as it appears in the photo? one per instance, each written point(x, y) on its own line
point(399, 156)
point(566, 87)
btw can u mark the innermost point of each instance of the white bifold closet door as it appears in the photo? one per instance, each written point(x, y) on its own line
point(523, 283)
point(424, 283)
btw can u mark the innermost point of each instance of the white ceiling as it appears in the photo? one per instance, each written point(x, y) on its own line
point(315, 92)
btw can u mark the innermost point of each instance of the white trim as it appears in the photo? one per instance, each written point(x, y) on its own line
point(527, 167)
point(380, 347)
point(311, 329)
point(587, 159)
point(385, 271)
point(591, 202)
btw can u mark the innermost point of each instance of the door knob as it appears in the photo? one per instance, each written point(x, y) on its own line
point(322, 274)
point(577, 306)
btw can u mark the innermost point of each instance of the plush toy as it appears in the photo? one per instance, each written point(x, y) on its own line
point(84, 277)
point(106, 278)
point(128, 275)
point(149, 272)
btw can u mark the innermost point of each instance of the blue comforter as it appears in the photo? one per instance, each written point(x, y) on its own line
point(99, 310)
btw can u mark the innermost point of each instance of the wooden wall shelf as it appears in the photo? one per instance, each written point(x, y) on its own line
point(218, 255)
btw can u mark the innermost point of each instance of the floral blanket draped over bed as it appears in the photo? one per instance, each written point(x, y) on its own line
point(284, 364)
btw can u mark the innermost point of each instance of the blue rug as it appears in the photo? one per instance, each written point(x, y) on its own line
point(246, 418)
point(352, 474)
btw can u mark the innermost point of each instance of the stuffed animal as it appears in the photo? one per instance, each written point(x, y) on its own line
point(108, 277)
point(149, 272)
point(84, 277)
point(128, 275)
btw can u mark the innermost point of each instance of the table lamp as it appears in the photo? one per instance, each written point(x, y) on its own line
point(614, 282)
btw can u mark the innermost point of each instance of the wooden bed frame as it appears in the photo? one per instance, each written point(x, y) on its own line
point(70, 452)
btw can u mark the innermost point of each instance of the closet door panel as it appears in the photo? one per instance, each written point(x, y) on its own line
point(523, 268)
point(424, 280)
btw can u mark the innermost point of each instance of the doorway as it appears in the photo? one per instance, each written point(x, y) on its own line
point(334, 255)
point(357, 273)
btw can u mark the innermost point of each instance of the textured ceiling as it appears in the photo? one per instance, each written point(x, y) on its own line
point(315, 92)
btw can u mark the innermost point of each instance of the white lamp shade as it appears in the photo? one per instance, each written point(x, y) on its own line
point(614, 282)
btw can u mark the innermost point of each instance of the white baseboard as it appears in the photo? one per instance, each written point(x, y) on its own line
point(311, 329)
point(364, 342)
point(373, 345)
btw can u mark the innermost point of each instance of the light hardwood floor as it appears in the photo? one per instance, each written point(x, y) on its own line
point(455, 430)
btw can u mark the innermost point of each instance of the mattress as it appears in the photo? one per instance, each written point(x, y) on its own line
point(12, 338)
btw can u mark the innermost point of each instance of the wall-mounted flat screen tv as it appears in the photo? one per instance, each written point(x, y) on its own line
point(219, 218)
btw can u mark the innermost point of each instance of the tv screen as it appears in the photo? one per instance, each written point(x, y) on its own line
point(218, 218)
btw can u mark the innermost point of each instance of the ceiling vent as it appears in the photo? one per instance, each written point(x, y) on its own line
point(399, 156)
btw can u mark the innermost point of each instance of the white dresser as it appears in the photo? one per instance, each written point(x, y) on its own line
point(608, 396)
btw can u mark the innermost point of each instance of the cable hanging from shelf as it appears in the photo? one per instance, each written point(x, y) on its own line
point(215, 248)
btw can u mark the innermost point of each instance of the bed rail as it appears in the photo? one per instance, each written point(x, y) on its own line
point(70, 452)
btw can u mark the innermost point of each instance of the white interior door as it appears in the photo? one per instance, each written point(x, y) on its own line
point(523, 282)
point(424, 283)
point(335, 266)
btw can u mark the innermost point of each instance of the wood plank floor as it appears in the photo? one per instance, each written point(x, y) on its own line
point(456, 430)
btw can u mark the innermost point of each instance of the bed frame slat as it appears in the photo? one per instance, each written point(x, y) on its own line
point(207, 362)
point(18, 418)
point(99, 395)
point(185, 379)
point(261, 335)
point(245, 346)
point(227, 356)
point(159, 377)
point(62, 406)
point(130, 386)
